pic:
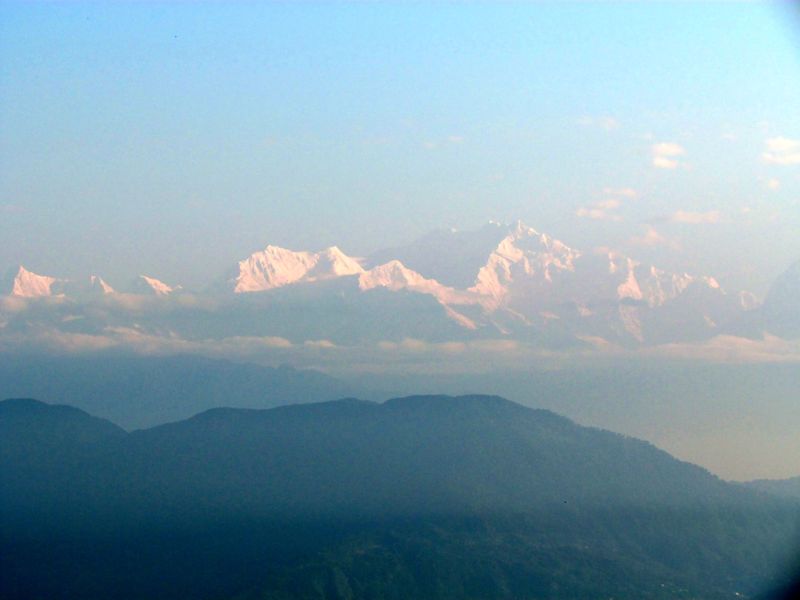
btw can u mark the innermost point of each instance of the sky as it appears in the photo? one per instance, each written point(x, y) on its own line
point(175, 139)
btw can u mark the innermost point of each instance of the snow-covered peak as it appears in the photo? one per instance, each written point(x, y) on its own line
point(659, 286)
point(27, 284)
point(333, 262)
point(394, 275)
point(275, 267)
point(520, 230)
point(99, 285)
point(152, 286)
point(523, 255)
point(91, 287)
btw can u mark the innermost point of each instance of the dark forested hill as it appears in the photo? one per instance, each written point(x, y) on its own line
point(420, 497)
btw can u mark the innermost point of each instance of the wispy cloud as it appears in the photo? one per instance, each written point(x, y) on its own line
point(596, 214)
point(319, 344)
point(772, 184)
point(650, 238)
point(408, 355)
point(732, 350)
point(626, 192)
point(605, 122)
point(695, 218)
point(603, 210)
point(609, 204)
point(446, 141)
point(12, 304)
point(665, 155)
point(782, 151)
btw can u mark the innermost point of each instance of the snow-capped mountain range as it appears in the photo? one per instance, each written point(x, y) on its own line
point(501, 280)
point(522, 262)
point(26, 284)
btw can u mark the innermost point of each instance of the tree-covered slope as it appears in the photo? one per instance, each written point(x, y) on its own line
point(420, 497)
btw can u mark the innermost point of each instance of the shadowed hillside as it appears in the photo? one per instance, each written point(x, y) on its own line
point(419, 497)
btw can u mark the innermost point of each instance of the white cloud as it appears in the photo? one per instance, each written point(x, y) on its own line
point(664, 163)
point(732, 349)
point(665, 155)
point(605, 210)
point(272, 341)
point(320, 344)
point(668, 149)
point(407, 356)
point(609, 204)
point(782, 151)
point(695, 218)
point(596, 214)
point(773, 184)
point(413, 345)
point(600, 211)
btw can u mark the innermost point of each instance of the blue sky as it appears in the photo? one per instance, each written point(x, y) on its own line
point(174, 139)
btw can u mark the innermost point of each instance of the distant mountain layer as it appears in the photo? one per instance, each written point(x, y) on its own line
point(781, 310)
point(503, 280)
point(142, 391)
point(737, 420)
point(420, 497)
point(786, 488)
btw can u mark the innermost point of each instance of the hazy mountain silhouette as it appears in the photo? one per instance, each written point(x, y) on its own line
point(781, 310)
point(141, 391)
point(788, 488)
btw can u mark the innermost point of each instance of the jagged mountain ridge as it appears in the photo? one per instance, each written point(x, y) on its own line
point(275, 267)
point(525, 277)
point(26, 284)
point(520, 254)
point(502, 279)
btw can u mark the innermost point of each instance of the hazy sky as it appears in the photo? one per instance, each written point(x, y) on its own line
point(174, 139)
